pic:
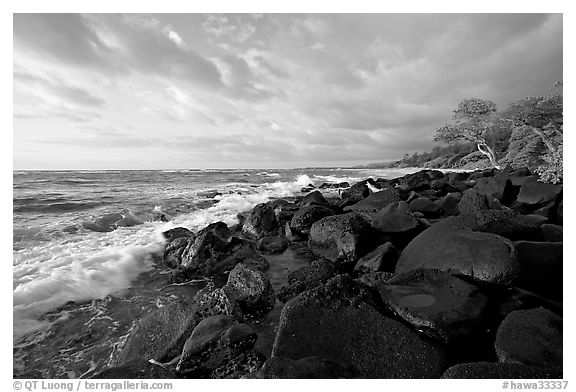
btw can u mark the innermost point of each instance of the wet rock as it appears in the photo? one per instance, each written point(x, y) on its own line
point(541, 269)
point(135, 369)
point(313, 275)
point(178, 232)
point(499, 370)
point(449, 203)
point(314, 198)
point(306, 216)
point(552, 233)
point(356, 192)
point(436, 303)
point(242, 251)
point(416, 181)
point(472, 202)
point(160, 333)
point(284, 211)
point(334, 322)
point(369, 206)
point(395, 218)
point(449, 246)
point(306, 368)
point(342, 239)
point(214, 341)
point(211, 301)
point(442, 185)
point(534, 193)
point(173, 251)
point(219, 229)
point(244, 365)
point(261, 221)
point(250, 288)
point(372, 279)
point(509, 224)
point(424, 205)
point(272, 244)
point(204, 251)
point(498, 187)
point(383, 258)
point(530, 337)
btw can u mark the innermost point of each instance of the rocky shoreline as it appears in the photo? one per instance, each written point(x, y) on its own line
point(430, 275)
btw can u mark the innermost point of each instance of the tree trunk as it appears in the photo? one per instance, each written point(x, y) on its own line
point(485, 149)
point(545, 139)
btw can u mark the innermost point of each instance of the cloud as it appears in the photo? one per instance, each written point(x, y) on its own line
point(63, 37)
point(273, 87)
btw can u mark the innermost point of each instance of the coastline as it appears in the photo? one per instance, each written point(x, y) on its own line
point(287, 283)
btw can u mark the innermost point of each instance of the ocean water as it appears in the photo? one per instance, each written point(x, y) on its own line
point(87, 246)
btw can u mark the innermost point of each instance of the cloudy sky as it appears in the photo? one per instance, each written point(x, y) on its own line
point(273, 90)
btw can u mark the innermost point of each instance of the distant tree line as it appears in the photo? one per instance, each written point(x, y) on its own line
point(528, 133)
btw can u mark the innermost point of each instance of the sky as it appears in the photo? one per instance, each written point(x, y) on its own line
point(176, 91)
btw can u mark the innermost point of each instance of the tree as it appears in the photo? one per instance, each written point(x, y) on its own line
point(540, 114)
point(473, 120)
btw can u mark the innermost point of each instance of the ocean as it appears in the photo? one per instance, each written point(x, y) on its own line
point(87, 247)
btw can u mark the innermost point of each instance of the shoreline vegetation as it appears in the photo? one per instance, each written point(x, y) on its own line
point(430, 275)
point(528, 133)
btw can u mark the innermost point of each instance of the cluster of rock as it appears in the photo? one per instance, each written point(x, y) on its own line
point(452, 275)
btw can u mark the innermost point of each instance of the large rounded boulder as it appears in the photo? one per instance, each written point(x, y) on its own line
point(450, 246)
point(342, 239)
point(306, 216)
point(335, 323)
point(437, 303)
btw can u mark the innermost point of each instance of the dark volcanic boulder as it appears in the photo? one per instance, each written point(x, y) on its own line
point(316, 273)
point(177, 232)
point(552, 233)
point(355, 193)
point(374, 203)
point(242, 251)
point(273, 244)
point(203, 251)
point(215, 340)
point(472, 202)
point(541, 268)
point(395, 218)
point(284, 211)
point(211, 301)
point(436, 303)
point(509, 224)
point(251, 288)
point(173, 251)
point(534, 193)
point(209, 254)
point(261, 221)
point(314, 198)
point(373, 279)
point(306, 368)
point(530, 337)
point(342, 239)
point(383, 258)
point(135, 369)
point(499, 370)
point(415, 182)
point(449, 203)
point(424, 205)
point(498, 187)
point(334, 322)
point(306, 216)
point(449, 246)
point(160, 333)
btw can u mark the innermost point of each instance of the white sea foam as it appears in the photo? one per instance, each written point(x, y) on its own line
point(90, 265)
